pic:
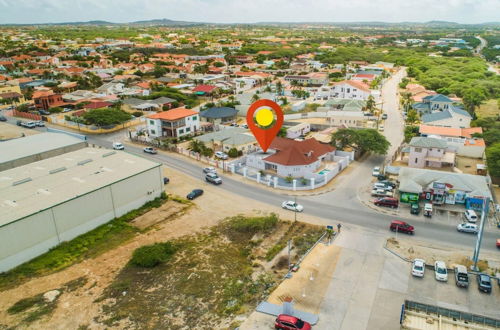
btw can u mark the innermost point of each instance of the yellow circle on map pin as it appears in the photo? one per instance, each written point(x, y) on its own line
point(264, 117)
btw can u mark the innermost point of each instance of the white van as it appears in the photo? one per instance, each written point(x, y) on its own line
point(471, 216)
point(118, 146)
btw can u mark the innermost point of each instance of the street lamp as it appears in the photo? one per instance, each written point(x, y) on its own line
point(484, 215)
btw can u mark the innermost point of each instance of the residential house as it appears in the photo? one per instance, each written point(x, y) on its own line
point(219, 115)
point(440, 187)
point(350, 89)
point(173, 123)
point(430, 152)
point(460, 139)
point(454, 117)
point(232, 137)
point(205, 90)
point(298, 131)
point(345, 105)
point(10, 94)
point(46, 99)
point(292, 158)
point(158, 104)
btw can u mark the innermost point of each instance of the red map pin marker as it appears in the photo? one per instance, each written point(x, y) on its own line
point(266, 125)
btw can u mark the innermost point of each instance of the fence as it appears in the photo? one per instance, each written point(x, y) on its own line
point(92, 129)
point(26, 115)
point(454, 314)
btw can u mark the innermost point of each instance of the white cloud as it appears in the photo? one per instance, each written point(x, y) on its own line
point(227, 11)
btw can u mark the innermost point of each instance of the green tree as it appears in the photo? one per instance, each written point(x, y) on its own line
point(406, 101)
point(255, 97)
point(106, 117)
point(493, 159)
point(196, 146)
point(233, 153)
point(282, 132)
point(362, 140)
point(472, 98)
point(370, 104)
point(410, 132)
point(412, 116)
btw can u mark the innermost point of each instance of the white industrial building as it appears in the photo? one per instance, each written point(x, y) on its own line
point(57, 199)
point(29, 149)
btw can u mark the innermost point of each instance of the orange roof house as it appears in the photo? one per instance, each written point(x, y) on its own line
point(173, 123)
point(449, 131)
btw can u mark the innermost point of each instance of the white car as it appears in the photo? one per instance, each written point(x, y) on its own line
point(381, 128)
point(118, 146)
point(209, 170)
point(376, 171)
point(221, 155)
point(292, 206)
point(440, 271)
point(471, 216)
point(418, 268)
point(150, 150)
point(468, 228)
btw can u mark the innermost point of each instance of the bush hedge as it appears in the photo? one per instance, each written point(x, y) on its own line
point(149, 256)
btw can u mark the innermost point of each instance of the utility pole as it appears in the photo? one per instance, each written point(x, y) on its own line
point(484, 217)
point(295, 213)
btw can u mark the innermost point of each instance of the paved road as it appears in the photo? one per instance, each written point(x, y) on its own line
point(480, 48)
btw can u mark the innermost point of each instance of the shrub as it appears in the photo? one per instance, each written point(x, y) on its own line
point(149, 256)
point(233, 153)
point(137, 113)
point(253, 224)
point(289, 179)
point(303, 181)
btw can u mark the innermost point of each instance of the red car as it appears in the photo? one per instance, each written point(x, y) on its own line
point(288, 322)
point(402, 227)
point(386, 201)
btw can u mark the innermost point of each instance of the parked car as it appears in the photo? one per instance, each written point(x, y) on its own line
point(150, 150)
point(386, 201)
point(383, 186)
point(401, 226)
point(471, 216)
point(40, 123)
point(384, 116)
point(209, 170)
point(166, 180)
point(2, 118)
point(388, 183)
point(498, 243)
point(381, 128)
point(44, 112)
point(29, 124)
point(376, 171)
point(414, 208)
point(118, 146)
point(244, 126)
point(213, 178)
point(484, 283)
point(195, 193)
point(418, 268)
point(467, 228)
point(292, 206)
point(66, 110)
point(381, 177)
point(221, 155)
point(440, 271)
point(461, 276)
point(288, 322)
point(381, 193)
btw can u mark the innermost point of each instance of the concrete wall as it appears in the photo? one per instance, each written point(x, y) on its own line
point(41, 156)
point(27, 238)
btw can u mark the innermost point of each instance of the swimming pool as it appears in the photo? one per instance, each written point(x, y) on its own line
point(324, 171)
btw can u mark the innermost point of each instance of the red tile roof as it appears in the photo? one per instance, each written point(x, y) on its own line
point(98, 105)
point(355, 83)
point(173, 114)
point(290, 152)
point(204, 88)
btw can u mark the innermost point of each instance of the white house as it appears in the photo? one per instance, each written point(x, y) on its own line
point(350, 89)
point(292, 158)
point(297, 131)
point(430, 152)
point(173, 123)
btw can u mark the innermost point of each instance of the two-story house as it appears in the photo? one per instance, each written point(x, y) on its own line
point(44, 100)
point(10, 95)
point(461, 139)
point(350, 89)
point(430, 152)
point(173, 123)
point(439, 110)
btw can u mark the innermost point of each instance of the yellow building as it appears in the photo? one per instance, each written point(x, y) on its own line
point(10, 95)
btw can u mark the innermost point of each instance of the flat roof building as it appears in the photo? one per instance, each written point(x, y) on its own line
point(53, 200)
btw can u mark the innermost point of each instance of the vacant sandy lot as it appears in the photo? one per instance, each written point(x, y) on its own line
point(8, 131)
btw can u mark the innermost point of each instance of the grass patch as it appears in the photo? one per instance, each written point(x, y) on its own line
point(33, 308)
point(274, 250)
point(149, 256)
point(243, 228)
point(90, 244)
point(489, 108)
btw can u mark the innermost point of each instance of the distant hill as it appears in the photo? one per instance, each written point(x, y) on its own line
point(153, 22)
point(164, 21)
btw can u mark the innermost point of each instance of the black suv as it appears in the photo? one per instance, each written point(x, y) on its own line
point(195, 193)
point(484, 283)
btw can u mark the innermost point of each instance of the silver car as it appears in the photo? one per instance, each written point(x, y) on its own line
point(468, 228)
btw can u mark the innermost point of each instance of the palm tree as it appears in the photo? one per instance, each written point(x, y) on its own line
point(255, 97)
point(370, 104)
point(196, 146)
point(406, 101)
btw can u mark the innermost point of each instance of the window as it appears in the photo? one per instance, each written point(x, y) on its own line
point(195, 117)
point(188, 129)
point(416, 160)
point(418, 149)
point(153, 132)
point(181, 131)
point(151, 122)
point(430, 149)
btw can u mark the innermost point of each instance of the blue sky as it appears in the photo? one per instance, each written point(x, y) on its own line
point(248, 11)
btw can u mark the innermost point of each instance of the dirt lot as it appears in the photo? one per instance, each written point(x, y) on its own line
point(451, 256)
point(488, 109)
point(8, 131)
point(468, 165)
point(78, 308)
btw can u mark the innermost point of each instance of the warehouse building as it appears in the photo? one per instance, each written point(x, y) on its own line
point(29, 149)
point(50, 201)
